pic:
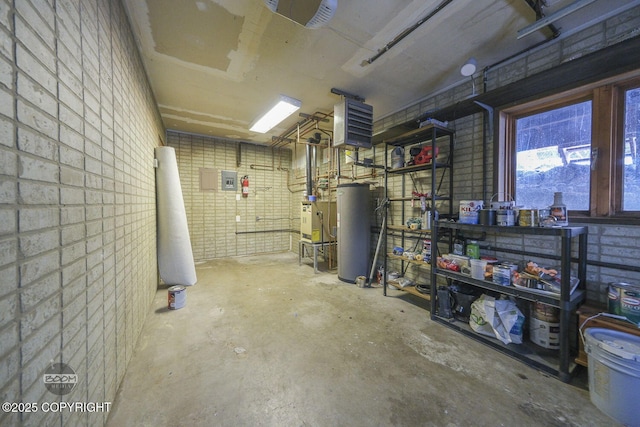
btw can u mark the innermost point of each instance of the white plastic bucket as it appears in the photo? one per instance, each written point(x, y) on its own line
point(614, 373)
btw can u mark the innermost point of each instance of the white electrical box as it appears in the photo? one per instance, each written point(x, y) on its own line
point(318, 222)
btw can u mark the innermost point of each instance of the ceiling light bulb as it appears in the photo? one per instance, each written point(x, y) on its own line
point(469, 67)
point(283, 109)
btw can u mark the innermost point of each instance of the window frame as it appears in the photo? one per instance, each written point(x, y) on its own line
point(607, 142)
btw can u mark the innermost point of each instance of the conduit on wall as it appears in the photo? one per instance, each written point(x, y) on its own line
point(175, 256)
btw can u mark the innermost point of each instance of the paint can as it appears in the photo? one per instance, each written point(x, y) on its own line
point(502, 205)
point(469, 211)
point(177, 297)
point(528, 218)
point(505, 217)
point(624, 300)
point(613, 297)
point(487, 217)
point(544, 326)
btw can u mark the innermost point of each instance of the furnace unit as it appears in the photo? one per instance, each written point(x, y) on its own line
point(318, 222)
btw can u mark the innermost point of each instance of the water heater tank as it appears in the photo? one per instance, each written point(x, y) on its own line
point(309, 13)
point(354, 230)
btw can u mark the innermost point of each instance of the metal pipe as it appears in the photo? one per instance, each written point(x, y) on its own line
point(283, 230)
point(406, 32)
point(537, 8)
point(308, 169)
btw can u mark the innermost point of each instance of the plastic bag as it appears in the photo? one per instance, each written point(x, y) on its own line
point(499, 318)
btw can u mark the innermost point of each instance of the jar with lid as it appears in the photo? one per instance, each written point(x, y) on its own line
point(559, 210)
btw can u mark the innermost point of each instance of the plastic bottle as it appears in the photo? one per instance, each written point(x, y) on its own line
point(473, 249)
point(559, 210)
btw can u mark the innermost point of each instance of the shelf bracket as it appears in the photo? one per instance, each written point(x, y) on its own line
point(489, 109)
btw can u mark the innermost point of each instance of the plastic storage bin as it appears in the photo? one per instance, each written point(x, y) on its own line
point(614, 373)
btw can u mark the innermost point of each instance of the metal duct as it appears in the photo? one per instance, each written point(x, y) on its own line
point(309, 171)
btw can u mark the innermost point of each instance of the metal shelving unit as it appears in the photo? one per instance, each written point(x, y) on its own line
point(557, 363)
point(435, 171)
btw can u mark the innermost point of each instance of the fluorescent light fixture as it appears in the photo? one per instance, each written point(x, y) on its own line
point(547, 20)
point(283, 109)
point(469, 67)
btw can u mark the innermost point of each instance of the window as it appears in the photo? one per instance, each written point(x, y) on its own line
point(583, 143)
point(553, 151)
point(631, 179)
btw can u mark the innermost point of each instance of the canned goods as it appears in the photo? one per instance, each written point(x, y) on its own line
point(502, 275)
point(426, 250)
point(177, 297)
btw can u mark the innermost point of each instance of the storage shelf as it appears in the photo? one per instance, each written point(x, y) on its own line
point(410, 261)
point(576, 298)
point(407, 229)
point(419, 135)
point(417, 199)
point(559, 362)
point(567, 232)
point(413, 291)
point(533, 355)
point(440, 141)
point(418, 168)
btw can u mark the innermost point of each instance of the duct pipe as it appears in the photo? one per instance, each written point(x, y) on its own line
point(309, 172)
point(314, 164)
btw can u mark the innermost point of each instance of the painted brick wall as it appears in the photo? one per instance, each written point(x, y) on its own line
point(78, 127)
point(612, 243)
point(264, 214)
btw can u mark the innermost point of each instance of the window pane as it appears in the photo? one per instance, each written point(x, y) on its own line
point(631, 195)
point(553, 154)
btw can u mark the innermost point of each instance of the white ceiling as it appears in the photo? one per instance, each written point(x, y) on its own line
point(216, 65)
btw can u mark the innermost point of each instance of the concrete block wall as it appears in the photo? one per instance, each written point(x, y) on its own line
point(608, 242)
point(78, 127)
point(264, 215)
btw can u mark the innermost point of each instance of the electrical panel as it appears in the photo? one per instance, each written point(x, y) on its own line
point(229, 180)
point(352, 124)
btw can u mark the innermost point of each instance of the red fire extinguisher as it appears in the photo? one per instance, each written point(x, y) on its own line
point(245, 186)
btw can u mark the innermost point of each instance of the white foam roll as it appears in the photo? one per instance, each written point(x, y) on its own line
point(175, 256)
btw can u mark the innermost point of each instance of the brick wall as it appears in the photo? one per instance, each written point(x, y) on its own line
point(211, 215)
point(610, 243)
point(78, 125)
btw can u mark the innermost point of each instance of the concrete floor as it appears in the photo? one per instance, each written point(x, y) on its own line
point(263, 341)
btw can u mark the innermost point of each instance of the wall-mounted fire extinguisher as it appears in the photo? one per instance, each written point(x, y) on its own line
point(245, 186)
